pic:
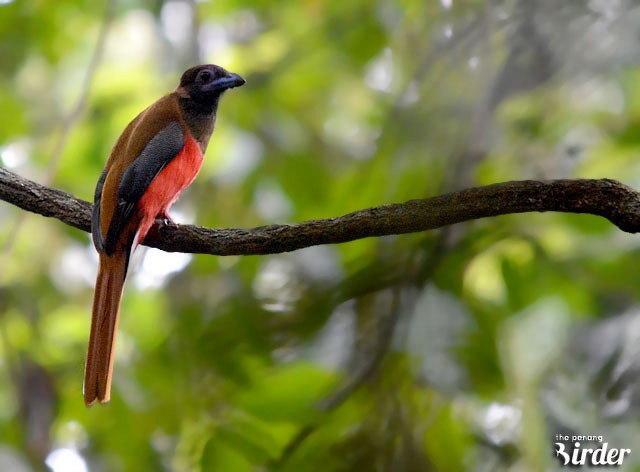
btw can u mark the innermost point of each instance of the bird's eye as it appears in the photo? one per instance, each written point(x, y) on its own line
point(205, 76)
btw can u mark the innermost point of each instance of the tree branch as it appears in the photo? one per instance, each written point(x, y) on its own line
point(603, 197)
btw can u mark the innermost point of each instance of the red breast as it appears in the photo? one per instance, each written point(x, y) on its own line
point(170, 182)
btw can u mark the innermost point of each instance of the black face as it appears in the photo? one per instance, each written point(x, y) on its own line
point(206, 83)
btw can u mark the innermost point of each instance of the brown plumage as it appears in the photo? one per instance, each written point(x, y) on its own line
point(157, 156)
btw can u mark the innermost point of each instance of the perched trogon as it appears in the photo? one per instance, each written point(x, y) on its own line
point(157, 156)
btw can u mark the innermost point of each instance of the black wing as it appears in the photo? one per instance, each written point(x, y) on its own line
point(135, 180)
point(96, 230)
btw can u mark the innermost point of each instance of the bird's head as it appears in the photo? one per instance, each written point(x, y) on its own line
point(205, 83)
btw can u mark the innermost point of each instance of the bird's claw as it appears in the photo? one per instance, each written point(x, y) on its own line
point(166, 219)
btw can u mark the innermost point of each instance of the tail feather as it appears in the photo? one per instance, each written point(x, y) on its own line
point(104, 324)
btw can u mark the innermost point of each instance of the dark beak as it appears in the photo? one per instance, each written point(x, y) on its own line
point(228, 82)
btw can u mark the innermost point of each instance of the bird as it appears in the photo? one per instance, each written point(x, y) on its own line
point(155, 158)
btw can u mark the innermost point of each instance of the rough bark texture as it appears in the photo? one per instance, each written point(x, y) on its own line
point(607, 198)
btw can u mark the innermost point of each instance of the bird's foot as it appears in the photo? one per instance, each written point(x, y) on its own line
point(166, 219)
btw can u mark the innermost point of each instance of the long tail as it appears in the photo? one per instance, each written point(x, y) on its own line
point(104, 323)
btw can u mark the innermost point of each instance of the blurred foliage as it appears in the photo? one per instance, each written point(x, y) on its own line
point(467, 348)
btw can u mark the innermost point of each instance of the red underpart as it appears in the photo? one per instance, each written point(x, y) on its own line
point(168, 184)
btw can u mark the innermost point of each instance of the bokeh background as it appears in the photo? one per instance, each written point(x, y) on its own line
point(463, 349)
